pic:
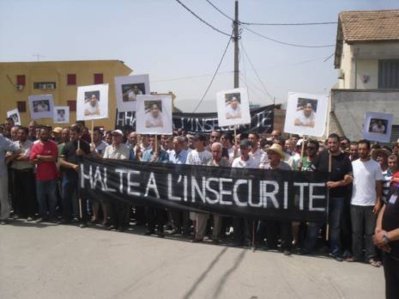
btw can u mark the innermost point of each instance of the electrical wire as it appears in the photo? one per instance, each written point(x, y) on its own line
point(256, 73)
point(189, 77)
point(285, 43)
point(201, 19)
point(270, 24)
point(214, 75)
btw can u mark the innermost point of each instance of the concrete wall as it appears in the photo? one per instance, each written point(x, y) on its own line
point(349, 107)
point(360, 60)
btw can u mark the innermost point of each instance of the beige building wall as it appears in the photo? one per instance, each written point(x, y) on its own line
point(57, 71)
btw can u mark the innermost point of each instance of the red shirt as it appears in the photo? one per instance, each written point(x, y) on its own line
point(45, 171)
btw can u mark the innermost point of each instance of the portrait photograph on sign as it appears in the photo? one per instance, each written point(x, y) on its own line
point(377, 126)
point(233, 107)
point(154, 114)
point(41, 106)
point(306, 114)
point(61, 114)
point(92, 102)
point(14, 115)
point(127, 89)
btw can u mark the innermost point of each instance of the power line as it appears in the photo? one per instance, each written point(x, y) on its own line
point(202, 20)
point(220, 11)
point(285, 43)
point(189, 77)
point(253, 68)
point(290, 24)
point(214, 75)
point(270, 24)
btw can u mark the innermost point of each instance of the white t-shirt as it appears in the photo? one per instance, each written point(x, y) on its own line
point(305, 120)
point(233, 113)
point(250, 163)
point(151, 121)
point(365, 175)
point(199, 158)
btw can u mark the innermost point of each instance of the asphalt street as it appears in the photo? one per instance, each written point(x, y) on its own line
point(58, 261)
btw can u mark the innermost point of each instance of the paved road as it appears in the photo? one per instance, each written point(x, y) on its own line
point(54, 261)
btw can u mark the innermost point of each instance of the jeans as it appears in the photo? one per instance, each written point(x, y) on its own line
point(70, 204)
point(363, 225)
point(391, 272)
point(335, 219)
point(47, 190)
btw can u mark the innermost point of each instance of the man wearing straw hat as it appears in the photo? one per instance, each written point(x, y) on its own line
point(274, 228)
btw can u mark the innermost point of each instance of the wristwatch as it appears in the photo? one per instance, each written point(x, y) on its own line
point(385, 239)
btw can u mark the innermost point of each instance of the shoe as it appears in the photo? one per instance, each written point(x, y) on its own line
point(304, 251)
point(83, 225)
point(336, 257)
point(149, 232)
point(195, 240)
point(374, 263)
point(29, 219)
point(287, 252)
point(3, 222)
point(161, 235)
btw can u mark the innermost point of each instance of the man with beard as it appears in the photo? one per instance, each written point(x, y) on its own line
point(24, 187)
point(365, 203)
point(44, 155)
point(71, 157)
point(339, 167)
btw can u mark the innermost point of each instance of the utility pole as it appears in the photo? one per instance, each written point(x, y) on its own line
point(236, 49)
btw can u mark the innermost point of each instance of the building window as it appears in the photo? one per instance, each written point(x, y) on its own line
point(21, 80)
point(98, 78)
point(72, 105)
point(21, 105)
point(71, 79)
point(44, 85)
point(388, 73)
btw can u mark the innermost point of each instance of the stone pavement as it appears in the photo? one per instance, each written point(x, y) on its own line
point(58, 261)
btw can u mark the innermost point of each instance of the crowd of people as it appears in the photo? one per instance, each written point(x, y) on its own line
point(41, 185)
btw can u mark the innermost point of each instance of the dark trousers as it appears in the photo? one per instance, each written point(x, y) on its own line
point(363, 225)
point(73, 206)
point(120, 215)
point(391, 272)
point(274, 229)
point(242, 231)
point(24, 193)
point(155, 216)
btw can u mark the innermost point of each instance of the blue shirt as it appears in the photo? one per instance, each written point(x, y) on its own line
point(148, 156)
point(179, 158)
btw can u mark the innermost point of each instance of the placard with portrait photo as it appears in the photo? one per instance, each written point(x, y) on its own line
point(14, 114)
point(41, 106)
point(154, 114)
point(377, 126)
point(306, 114)
point(127, 89)
point(61, 115)
point(233, 107)
point(92, 102)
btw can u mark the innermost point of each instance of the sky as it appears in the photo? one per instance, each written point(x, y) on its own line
point(179, 52)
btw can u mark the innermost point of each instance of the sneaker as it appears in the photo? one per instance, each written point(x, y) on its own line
point(287, 252)
point(336, 257)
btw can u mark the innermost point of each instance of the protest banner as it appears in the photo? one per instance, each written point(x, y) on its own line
point(253, 193)
point(261, 121)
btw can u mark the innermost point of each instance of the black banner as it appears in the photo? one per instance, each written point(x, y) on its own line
point(261, 121)
point(253, 193)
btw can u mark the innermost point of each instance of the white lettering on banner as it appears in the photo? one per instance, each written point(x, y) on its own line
point(151, 184)
point(170, 188)
point(285, 195)
point(235, 193)
point(312, 197)
point(84, 176)
point(269, 195)
point(121, 172)
point(195, 187)
point(105, 182)
point(224, 192)
point(213, 191)
point(97, 178)
point(301, 193)
point(131, 183)
point(185, 189)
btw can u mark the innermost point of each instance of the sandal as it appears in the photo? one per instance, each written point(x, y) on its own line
point(375, 263)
